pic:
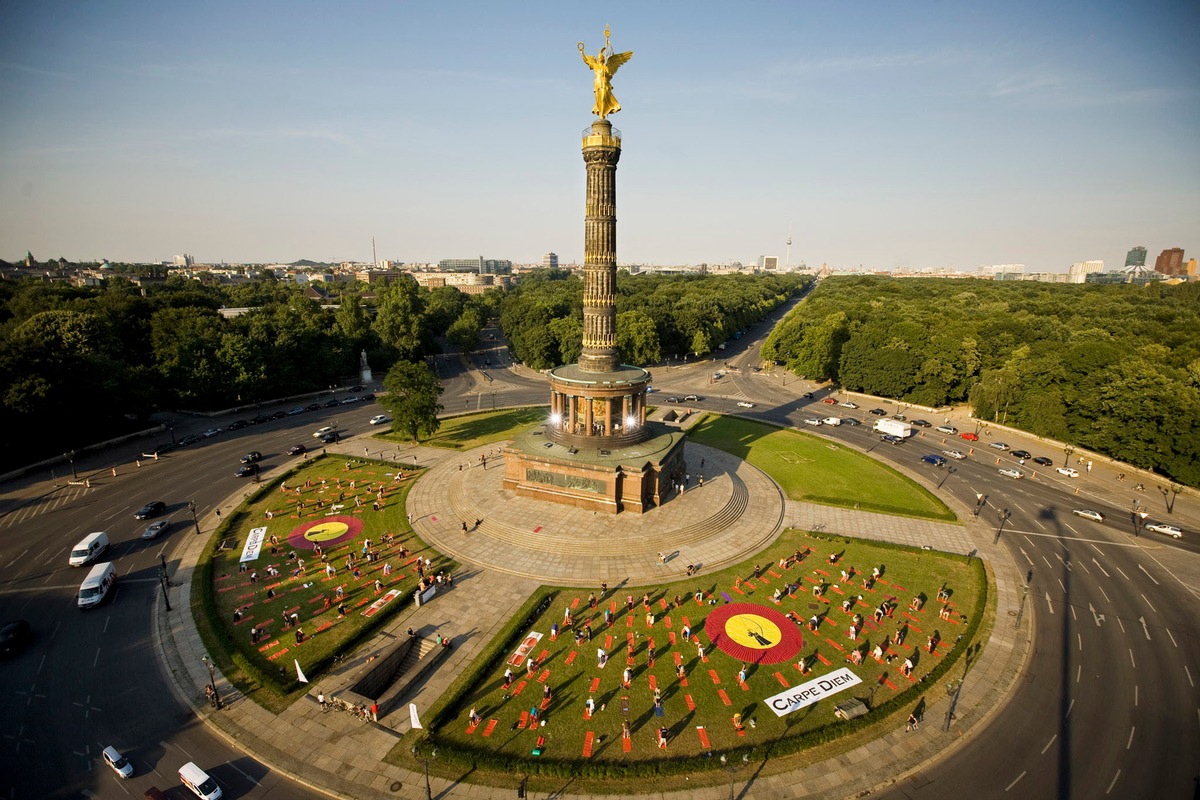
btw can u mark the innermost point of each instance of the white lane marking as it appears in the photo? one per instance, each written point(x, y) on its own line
point(1129, 743)
point(107, 620)
point(1085, 569)
point(1048, 564)
point(1063, 585)
point(1097, 563)
point(1080, 637)
point(1118, 569)
point(1189, 674)
point(1101, 588)
point(1078, 676)
point(1038, 522)
point(1069, 707)
point(41, 664)
point(1152, 608)
point(1114, 782)
point(1047, 747)
point(1132, 662)
point(1050, 607)
point(247, 777)
point(1168, 630)
point(96, 660)
point(1135, 695)
point(1145, 629)
point(1027, 558)
point(1148, 575)
point(1015, 780)
point(1122, 624)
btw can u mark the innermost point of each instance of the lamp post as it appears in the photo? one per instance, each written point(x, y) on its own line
point(70, 456)
point(980, 502)
point(1004, 516)
point(1067, 450)
point(733, 768)
point(1138, 518)
point(195, 519)
point(212, 680)
point(162, 582)
point(1169, 494)
point(425, 757)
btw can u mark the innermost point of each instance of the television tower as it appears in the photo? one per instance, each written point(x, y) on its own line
point(787, 261)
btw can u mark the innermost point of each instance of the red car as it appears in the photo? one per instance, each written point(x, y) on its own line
point(970, 437)
point(829, 401)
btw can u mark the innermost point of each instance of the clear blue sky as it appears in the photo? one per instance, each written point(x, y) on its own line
point(883, 134)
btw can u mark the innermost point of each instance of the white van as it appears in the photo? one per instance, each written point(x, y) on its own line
point(199, 781)
point(96, 585)
point(93, 545)
point(832, 420)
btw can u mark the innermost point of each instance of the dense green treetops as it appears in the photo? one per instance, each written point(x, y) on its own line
point(1115, 368)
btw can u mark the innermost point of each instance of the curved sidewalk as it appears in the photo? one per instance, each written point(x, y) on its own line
point(340, 755)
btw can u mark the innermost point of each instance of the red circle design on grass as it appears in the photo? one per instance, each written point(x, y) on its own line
point(753, 633)
point(327, 532)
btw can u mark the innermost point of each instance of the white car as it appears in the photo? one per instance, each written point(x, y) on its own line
point(379, 419)
point(211, 432)
point(954, 454)
point(319, 432)
point(998, 445)
point(119, 763)
point(1162, 527)
point(811, 421)
point(1087, 513)
point(1070, 473)
point(745, 404)
point(1009, 472)
point(848, 404)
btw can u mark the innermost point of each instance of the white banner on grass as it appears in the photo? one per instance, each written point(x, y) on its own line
point(808, 693)
point(254, 544)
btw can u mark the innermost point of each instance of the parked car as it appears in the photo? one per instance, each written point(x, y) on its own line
point(14, 636)
point(937, 461)
point(278, 415)
point(1022, 454)
point(745, 404)
point(1088, 513)
point(319, 432)
point(313, 407)
point(949, 429)
point(1164, 528)
point(294, 411)
point(672, 399)
point(211, 432)
point(150, 510)
point(379, 419)
point(879, 412)
point(348, 400)
point(252, 457)
point(162, 449)
point(848, 404)
point(236, 425)
point(693, 398)
point(297, 450)
point(358, 387)
point(155, 528)
point(246, 470)
point(1010, 472)
point(998, 445)
point(970, 437)
point(332, 403)
point(920, 423)
point(367, 397)
point(119, 763)
point(1070, 473)
point(190, 438)
point(954, 454)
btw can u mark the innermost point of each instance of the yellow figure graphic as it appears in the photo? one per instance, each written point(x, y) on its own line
point(325, 531)
point(753, 631)
point(605, 64)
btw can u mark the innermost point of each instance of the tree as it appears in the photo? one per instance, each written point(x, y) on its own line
point(464, 332)
point(412, 399)
point(637, 338)
point(399, 323)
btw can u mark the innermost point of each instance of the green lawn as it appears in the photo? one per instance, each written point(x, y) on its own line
point(709, 694)
point(474, 430)
point(264, 670)
point(816, 470)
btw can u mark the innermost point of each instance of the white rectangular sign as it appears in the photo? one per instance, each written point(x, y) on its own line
point(254, 544)
point(806, 694)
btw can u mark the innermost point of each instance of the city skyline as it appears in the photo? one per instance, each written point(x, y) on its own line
point(928, 136)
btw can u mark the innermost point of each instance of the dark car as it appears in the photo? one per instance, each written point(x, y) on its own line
point(294, 411)
point(807, 395)
point(162, 448)
point(332, 403)
point(150, 510)
point(1045, 462)
point(887, 437)
point(252, 457)
point(236, 425)
point(358, 387)
point(367, 396)
point(879, 412)
point(329, 438)
point(246, 470)
point(14, 636)
point(851, 421)
point(191, 438)
point(920, 423)
point(278, 415)
point(313, 407)
point(297, 449)
point(1022, 454)
point(937, 461)
point(900, 417)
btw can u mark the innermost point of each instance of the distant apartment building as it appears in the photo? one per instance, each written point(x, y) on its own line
point(466, 282)
point(1136, 257)
point(378, 276)
point(1078, 272)
point(480, 265)
point(1170, 262)
point(550, 261)
point(185, 260)
point(768, 262)
point(1190, 267)
point(1003, 272)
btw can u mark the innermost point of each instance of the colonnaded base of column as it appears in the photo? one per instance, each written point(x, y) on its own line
point(726, 518)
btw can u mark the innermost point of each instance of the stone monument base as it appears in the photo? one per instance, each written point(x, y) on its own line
point(636, 477)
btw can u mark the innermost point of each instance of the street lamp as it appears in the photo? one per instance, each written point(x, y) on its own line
point(195, 520)
point(980, 502)
point(214, 698)
point(425, 757)
point(1067, 450)
point(1138, 518)
point(1004, 516)
point(733, 768)
point(70, 456)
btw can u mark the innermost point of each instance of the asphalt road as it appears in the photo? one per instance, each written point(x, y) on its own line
point(1108, 707)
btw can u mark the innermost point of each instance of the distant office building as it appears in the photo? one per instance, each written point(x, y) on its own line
point(1190, 267)
point(184, 260)
point(1078, 271)
point(1170, 262)
point(481, 265)
point(1136, 257)
point(768, 262)
point(1001, 272)
point(550, 261)
point(1106, 277)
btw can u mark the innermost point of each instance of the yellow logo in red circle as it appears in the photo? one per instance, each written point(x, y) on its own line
point(753, 630)
point(324, 531)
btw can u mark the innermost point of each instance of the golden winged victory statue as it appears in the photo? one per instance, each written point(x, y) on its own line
point(605, 64)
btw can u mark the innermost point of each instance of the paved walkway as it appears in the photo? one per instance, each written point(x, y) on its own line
point(339, 754)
